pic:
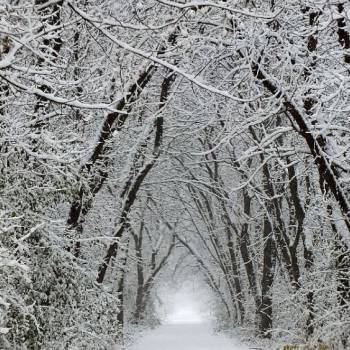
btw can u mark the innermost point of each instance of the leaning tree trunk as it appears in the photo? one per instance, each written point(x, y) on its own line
point(131, 190)
point(95, 169)
point(329, 174)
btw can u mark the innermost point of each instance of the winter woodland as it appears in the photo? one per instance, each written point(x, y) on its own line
point(148, 142)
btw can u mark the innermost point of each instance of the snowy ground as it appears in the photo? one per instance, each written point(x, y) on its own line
point(185, 324)
point(186, 336)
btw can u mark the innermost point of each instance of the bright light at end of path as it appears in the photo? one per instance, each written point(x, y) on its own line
point(187, 307)
point(185, 315)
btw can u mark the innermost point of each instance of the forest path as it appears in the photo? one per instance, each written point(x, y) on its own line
point(186, 336)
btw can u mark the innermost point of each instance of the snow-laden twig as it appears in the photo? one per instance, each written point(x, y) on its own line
point(196, 4)
point(150, 56)
point(73, 102)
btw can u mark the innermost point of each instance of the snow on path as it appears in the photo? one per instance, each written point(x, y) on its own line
point(187, 336)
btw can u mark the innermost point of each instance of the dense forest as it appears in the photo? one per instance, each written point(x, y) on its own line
point(143, 141)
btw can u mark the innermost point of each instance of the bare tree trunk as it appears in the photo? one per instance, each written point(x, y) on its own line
point(5, 46)
point(236, 274)
point(133, 186)
point(328, 171)
point(51, 16)
point(230, 269)
point(96, 168)
point(269, 261)
point(121, 283)
point(120, 278)
point(343, 34)
point(218, 190)
point(140, 276)
point(308, 254)
point(283, 240)
point(244, 242)
point(343, 272)
point(144, 285)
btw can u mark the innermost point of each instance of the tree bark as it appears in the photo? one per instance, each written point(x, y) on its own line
point(328, 172)
point(244, 242)
point(342, 264)
point(129, 194)
point(51, 17)
point(308, 254)
point(343, 34)
point(269, 256)
point(138, 239)
point(289, 256)
point(96, 167)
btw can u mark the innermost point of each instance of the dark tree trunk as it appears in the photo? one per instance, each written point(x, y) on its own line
point(230, 268)
point(308, 254)
point(328, 171)
point(129, 194)
point(51, 17)
point(95, 167)
point(120, 316)
point(236, 274)
point(275, 210)
point(342, 263)
point(5, 45)
point(269, 261)
point(343, 34)
point(139, 312)
point(144, 285)
point(120, 289)
point(244, 243)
